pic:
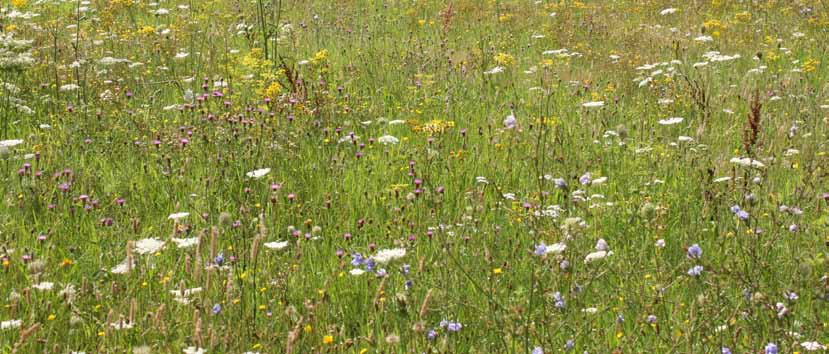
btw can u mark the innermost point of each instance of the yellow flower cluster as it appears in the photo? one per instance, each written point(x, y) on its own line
point(809, 65)
point(504, 59)
point(435, 126)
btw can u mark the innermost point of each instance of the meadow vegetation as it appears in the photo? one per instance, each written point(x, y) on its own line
point(367, 176)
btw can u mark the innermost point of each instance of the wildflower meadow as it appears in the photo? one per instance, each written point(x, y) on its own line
point(414, 176)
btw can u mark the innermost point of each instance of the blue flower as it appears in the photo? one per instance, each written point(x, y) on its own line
point(695, 251)
point(771, 348)
point(560, 183)
point(736, 209)
point(695, 271)
point(432, 334)
point(217, 308)
point(726, 350)
point(569, 345)
point(651, 319)
point(405, 269)
point(540, 249)
point(559, 300)
point(586, 178)
point(454, 327)
point(742, 214)
point(219, 259)
point(357, 259)
point(538, 350)
point(369, 263)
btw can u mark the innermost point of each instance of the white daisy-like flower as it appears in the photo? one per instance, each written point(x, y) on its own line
point(122, 325)
point(11, 324)
point(183, 297)
point(278, 245)
point(671, 121)
point(10, 143)
point(388, 140)
point(812, 346)
point(122, 268)
point(722, 179)
point(357, 272)
point(258, 173)
point(594, 256)
point(194, 350)
point(107, 61)
point(667, 11)
point(185, 292)
point(162, 11)
point(176, 216)
point(186, 242)
point(387, 255)
point(44, 286)
point(747, 162)
point(590, 310)
point(397, 122)
point(593, 104)
point(182, 55)
point(555, 248)
point(148, 245)
point(598, 181)
point(69, 87)
point(704, 39)
point(685, 139)
point(495, 70)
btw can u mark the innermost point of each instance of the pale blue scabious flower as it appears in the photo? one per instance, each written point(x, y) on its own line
point(695, 271)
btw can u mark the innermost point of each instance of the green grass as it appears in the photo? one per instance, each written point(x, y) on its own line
point(335, 69)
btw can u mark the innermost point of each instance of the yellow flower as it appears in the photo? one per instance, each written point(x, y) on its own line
point(744, 16)
point(809, 65)
point(66, 262)
point(19, 3)
point(308, 329)
point(273, 90)
point(320, 56)
point(504, 59)
point(713, 25)
point(328, 339)
point(497, 271)
point(146, 30)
